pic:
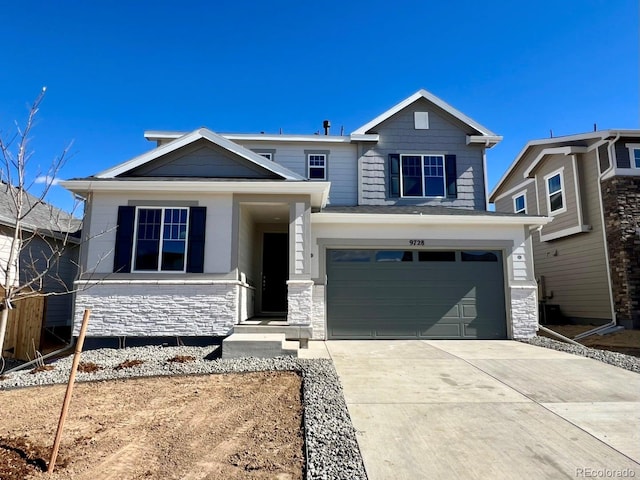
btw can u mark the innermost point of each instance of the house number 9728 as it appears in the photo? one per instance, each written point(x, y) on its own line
point(416, 243)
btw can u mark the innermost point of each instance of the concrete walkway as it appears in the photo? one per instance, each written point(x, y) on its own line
point(487, 410)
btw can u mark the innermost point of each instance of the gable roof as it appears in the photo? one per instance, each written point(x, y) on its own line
point(43, 217)
point(189, 138)
point(559, 142)
point(433, 99)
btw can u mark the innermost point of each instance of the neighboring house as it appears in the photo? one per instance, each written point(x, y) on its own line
point(46, 231)
point(588, 258)
point(382, 233)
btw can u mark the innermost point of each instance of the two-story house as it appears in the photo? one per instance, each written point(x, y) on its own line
point(381, 234)
point(588, 258)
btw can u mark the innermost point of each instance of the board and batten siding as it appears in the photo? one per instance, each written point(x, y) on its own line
point(103, 216)
point(342, 169)
point(201, 160)
point(445, 135)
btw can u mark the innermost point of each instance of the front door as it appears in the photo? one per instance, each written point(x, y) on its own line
point(275, 272)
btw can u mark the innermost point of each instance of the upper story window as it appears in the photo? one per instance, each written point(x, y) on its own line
point(422, 175)
point(634, 154)
point(267, 155)
point(520, 203)
point(555, 193)
point(160, 239)
point(317, 166)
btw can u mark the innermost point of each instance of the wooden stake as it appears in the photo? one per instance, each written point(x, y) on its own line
point(67, 396)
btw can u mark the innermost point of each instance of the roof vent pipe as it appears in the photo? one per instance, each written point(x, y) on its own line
point(326, 125)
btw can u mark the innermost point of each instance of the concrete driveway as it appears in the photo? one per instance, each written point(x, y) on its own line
point(488, 410)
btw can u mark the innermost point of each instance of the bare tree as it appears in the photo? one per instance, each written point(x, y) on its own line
point(27, 220)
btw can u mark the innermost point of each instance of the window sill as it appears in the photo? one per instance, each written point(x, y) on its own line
point(565, 233)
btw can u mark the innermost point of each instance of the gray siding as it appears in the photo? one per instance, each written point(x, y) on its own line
point(505, 204)
point(201, 161)
point(59, 278)
point(574, 267)
point(605, 162)
point(622, 152)
point(342, 169)
point(445, 135)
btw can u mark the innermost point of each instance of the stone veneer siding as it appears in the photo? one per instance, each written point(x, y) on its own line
point(139, 308)
point(621, 204)
point(299, 302)
point(524, 312)
point(318, 320)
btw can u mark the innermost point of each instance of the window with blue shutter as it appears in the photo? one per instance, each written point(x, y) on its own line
point(160, 239)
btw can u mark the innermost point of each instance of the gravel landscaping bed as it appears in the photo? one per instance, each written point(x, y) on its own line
point(612, 358)
point(331, 448)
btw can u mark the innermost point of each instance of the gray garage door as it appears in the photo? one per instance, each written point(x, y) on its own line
point(395, 294)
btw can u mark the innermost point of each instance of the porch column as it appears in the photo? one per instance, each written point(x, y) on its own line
point(299, 285)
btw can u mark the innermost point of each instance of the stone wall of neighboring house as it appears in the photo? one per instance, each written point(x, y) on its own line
point(621, 202)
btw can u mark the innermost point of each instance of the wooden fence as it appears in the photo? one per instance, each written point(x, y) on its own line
point(24, 328)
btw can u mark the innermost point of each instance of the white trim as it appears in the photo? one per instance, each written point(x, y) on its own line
point(576, 186)
point(523, 194)
point(421, 219)
point(176, 281)
point(323, 167)
point(562, 191)
point(564, 233)
point(156, 135)
point(318, 191)
point(520, 186)
point(632, 161)
point(431, 98)
point(422, 175)
point(552, 151)
point(486, 140)
point(161, 244)
point(623, 172)
point(202, 133)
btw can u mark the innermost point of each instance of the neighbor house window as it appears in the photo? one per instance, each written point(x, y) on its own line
point(317, 165)
point(520, 203)
point(555, 192)
point(422, 175)
point(160, 239)
point(267, 155)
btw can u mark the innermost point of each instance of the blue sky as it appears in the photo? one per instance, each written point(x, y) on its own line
point(115, 69)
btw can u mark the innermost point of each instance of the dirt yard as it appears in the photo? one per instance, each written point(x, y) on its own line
point(240, 426)
point(624, 341)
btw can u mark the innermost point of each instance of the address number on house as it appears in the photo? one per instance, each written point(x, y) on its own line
point(416, 243)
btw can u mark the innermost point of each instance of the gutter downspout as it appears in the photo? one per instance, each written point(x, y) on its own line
point(613, 321)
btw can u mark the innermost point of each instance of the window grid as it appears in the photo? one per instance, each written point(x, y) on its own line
point(162, 253)
point(422, 175)
point(317, 166)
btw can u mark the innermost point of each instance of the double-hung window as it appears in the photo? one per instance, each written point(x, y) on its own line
point(317, 166)
point(555, 193)
point(161, 239)
point(634, 154)
point(520, 203)
point(422, 175)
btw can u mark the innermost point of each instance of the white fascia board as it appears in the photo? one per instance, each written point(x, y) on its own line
point(257, 137)
point(319, 191)
point(194, 136)
point(553, 151)
point(431, 98)
point(364, 137)
point(486, 140)
point(155, 135)
point(417, 219)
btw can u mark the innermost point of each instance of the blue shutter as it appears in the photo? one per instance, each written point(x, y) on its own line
point(195, 254)
point(451, 175)
point(394, 175)
point(124, 239)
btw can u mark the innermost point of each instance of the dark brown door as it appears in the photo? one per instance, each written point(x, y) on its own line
point(275, 272)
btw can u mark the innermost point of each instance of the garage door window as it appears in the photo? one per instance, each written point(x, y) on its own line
point(358, 256)
point(436, 256)
point(479, 256)
point(394, 256)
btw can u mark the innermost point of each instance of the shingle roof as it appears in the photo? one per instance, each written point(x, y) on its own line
point(43, 217)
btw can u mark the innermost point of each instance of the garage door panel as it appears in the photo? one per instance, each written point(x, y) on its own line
point(415, 299)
